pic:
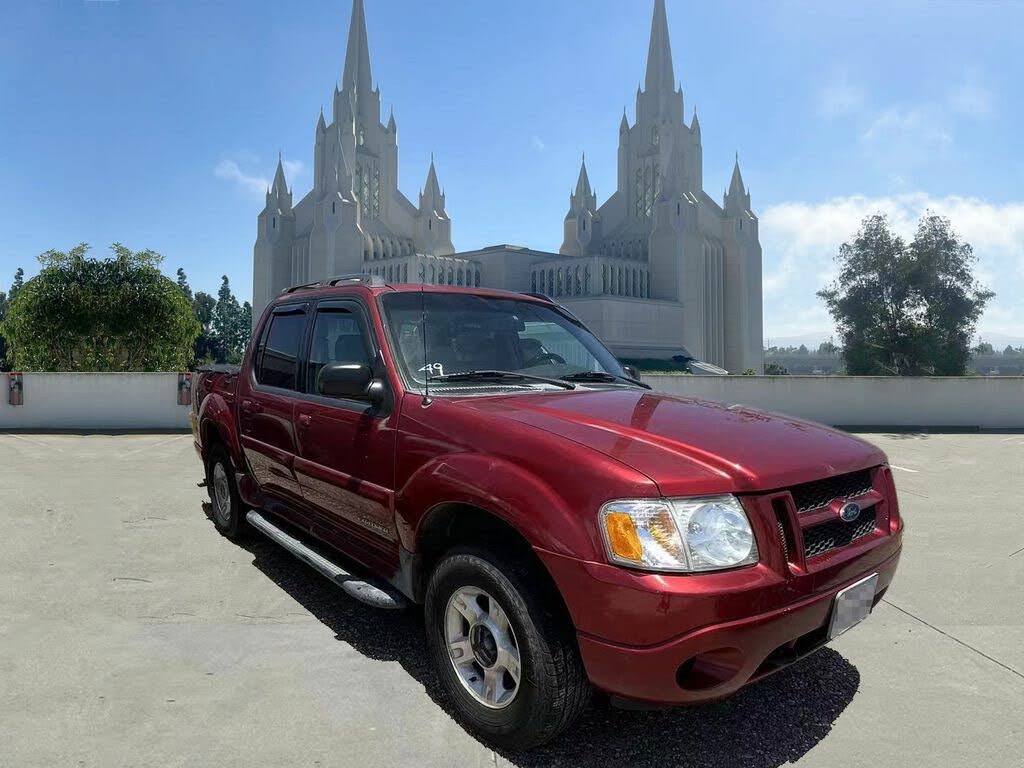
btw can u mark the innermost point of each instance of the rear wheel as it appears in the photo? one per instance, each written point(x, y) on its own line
point(506, 656)
point(228, 510)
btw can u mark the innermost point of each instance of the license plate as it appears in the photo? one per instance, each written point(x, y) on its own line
point(852, 605)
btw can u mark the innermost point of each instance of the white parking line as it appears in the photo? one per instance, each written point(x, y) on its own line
point(904, 469)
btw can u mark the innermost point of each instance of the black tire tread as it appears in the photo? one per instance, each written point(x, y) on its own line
point(567, 687)
point(238, 529)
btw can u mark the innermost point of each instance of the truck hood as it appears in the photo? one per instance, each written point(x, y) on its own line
point(689, 446)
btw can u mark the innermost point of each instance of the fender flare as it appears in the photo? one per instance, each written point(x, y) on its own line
point(515, 496)
point(216, 412)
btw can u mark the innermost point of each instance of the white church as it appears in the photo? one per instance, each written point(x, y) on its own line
point(657, 267)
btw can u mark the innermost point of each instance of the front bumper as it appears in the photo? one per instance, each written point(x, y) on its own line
point(684, 639)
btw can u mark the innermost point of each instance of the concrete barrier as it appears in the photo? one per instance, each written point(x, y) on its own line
point(992, 402)
point(148, 401)
point(95, 401)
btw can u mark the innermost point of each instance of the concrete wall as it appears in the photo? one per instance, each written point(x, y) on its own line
point(101, 401)
point(141, 401)
point(877, 401)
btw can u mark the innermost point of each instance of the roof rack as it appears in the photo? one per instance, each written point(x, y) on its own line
point(373, 281)
point(542, 296)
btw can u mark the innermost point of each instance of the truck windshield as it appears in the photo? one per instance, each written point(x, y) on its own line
point(437, 335)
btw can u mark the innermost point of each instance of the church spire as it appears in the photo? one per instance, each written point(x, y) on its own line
point(432, 198)
point(357, 75)
point(278, 192)
point(280, 186)
point(583, 183)
point(660, 74)
point(432, 187)
point(737, 196)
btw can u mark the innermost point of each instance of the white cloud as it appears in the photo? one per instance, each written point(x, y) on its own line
point(293, 168)
point(900, 126)
point(231, 171)
point(255, 183)
point(800, 240)
point(840, 97)
point(537, 143)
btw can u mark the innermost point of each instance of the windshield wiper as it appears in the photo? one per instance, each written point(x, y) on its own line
point(500, 376)
point(604, 377)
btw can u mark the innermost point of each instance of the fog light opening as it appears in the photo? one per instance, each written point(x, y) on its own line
point(710, 669)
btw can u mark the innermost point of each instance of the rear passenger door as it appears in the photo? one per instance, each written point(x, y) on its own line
point(266, 406)
point(345, 464)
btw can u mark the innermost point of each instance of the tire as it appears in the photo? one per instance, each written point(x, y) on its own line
point(552, 689)
point(228, 509)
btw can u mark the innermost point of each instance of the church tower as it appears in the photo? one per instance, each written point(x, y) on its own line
point(275, 231)
point(355, 218)
point(581, 222)
point(743, 259)
point(661, 238)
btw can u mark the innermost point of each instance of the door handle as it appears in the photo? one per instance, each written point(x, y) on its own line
point(251, 406)
point(305, 420)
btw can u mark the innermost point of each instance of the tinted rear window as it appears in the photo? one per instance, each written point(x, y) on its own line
point(279, 361)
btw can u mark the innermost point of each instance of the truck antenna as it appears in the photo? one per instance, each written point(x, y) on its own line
point(423, 337)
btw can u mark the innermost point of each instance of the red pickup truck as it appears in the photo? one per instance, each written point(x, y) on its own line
point(564, 527)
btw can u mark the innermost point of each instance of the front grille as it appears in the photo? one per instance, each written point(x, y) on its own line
point(820, 493)
point(819, 539)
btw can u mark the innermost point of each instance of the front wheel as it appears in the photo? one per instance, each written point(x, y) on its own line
point(506, 656)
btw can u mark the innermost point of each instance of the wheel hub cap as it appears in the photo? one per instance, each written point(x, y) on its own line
point(482, 647)
point(221, 494)
point(485, 647)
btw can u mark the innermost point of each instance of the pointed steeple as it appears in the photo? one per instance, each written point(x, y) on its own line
point(583, 199)
point(660, 74)
point(736, 183)
point(321, 124)
point(737, 197)
point(624, 125)
point(432, 187)
point(392, 127)
point(695, 124)
point(280, 186)
point(357, 75)
point(278, 193)
point(432, 198)
point(583, 183)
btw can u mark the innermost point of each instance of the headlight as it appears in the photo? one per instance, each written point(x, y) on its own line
point(698, 534)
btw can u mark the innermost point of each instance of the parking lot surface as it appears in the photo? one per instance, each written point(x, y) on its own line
point(132, 634)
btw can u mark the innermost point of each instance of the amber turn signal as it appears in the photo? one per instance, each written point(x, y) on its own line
point(623, 539)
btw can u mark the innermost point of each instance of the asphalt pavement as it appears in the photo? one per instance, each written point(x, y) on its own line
point(132, 634)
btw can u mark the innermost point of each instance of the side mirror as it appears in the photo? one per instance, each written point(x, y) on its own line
point(351, 381)
point(632, 372)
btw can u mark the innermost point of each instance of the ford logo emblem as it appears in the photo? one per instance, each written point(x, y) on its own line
point(850, 512)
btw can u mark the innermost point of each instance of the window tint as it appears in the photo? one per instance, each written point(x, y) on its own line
point(441, 333)
point(337, 338)
point(279, 361)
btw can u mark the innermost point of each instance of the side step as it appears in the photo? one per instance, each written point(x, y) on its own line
point(375, 594)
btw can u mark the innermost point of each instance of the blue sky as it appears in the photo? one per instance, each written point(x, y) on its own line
point(158, 123)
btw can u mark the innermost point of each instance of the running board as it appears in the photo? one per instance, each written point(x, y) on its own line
point(367, 592)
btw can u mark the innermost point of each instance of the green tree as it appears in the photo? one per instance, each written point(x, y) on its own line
point(1011, 351)
point(775, 369)
point(231, 322)
point(906, 309)
point(984, 348)
point(115, 314)
point(828, 348)
point(183, 284)
point(17, 285)
point(3, 341)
